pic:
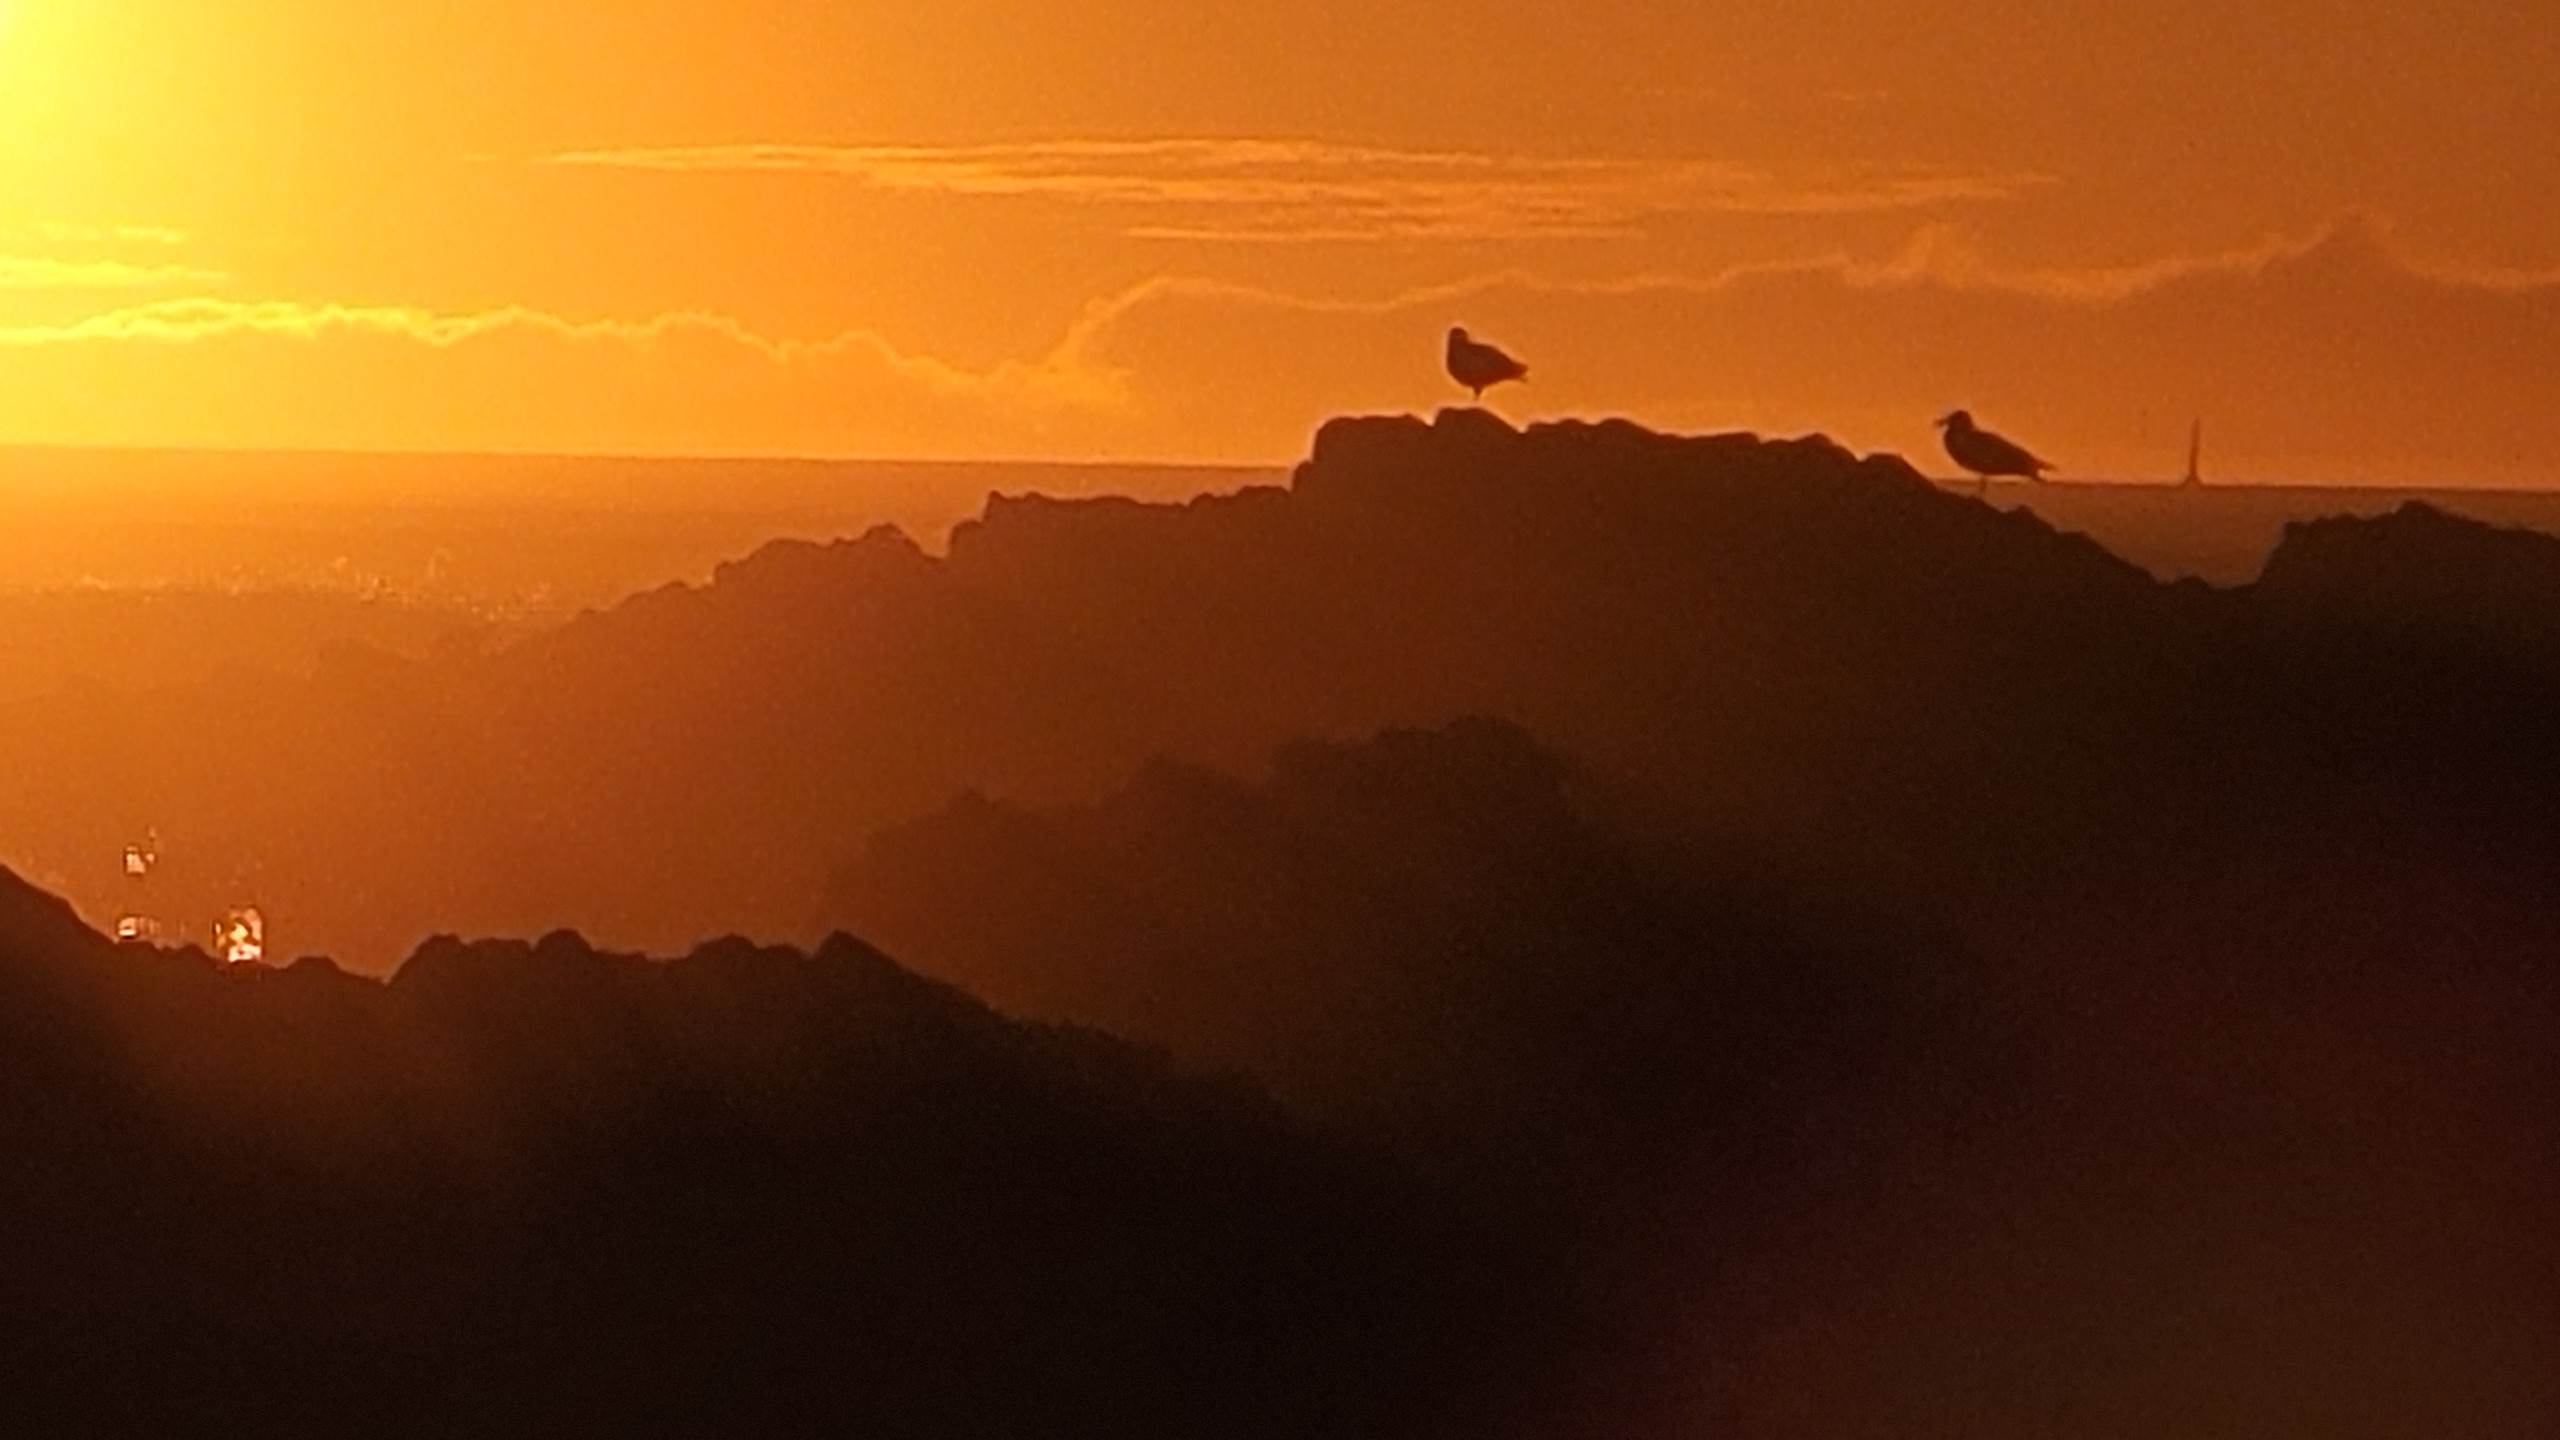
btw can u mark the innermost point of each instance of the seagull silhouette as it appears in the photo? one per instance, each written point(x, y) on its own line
point(1479, 366)
point(1988, 455)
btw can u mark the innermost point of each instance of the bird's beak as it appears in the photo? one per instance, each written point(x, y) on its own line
point(1946, 420)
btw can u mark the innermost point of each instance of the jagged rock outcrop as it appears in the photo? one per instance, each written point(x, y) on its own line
point(2419, 569)
point(528, 1188)
point(2149, 1151)
point(1781, 639)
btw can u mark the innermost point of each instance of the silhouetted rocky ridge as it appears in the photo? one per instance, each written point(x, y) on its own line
point(2162, 1148)
point(534, 1188)
point(1856, 670)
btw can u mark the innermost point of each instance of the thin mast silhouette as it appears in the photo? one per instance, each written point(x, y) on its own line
point(2195, 455)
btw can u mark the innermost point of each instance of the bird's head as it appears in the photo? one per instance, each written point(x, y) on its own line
point(1458, 332)
point(1956, 420)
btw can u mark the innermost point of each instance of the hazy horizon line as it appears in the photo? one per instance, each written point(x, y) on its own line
point(2164, 481)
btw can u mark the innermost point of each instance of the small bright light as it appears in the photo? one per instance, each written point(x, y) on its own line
point(241, 938)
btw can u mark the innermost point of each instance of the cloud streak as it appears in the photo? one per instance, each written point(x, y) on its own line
point(197, 321)
point(37, 272)
point(140, 235)
point(2307, 354)
point(206, 370)
point(1272, 191)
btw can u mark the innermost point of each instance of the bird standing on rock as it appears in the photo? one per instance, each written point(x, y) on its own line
point(1988, 455)
point(1479, 366)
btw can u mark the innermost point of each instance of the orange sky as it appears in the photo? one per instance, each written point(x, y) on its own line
point(1123, 228)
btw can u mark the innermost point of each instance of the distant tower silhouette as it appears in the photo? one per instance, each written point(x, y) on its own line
point(2195, 455)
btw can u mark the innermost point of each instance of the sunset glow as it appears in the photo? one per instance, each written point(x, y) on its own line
point(1280, 718)
point(1010, 228)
